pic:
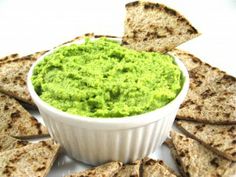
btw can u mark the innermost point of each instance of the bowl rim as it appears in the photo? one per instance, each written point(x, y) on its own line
point(99, 120)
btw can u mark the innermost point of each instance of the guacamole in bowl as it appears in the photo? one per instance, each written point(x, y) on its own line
point(101, 78)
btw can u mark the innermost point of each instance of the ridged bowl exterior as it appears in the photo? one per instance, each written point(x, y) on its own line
point(98, 140)
point(96, 146)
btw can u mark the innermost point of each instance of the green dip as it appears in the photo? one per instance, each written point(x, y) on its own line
point(101, 78)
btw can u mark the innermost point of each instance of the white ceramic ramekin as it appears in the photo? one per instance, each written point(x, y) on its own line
point(98, 140)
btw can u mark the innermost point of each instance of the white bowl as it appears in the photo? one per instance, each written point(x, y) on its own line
point(98, 140)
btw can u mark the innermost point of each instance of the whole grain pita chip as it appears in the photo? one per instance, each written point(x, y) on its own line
point(196, 160)
point(13, 74)
point(219, 138)
point(132, 169)
point(170, 145)
point(155, 27)
point(16, 121)
point(105, 170)
point(212, 94)
point(34, 160)
point(231, 172)
point(156, 168)
point(9, 57)
point(8, 143)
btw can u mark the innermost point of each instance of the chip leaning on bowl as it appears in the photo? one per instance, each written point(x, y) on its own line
point(103, 79)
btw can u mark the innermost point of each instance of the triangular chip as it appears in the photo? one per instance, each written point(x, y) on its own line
point(156, 168)
point(154, 27)
point(219, 138)
point(105, 170)
point(212, 94)
point(16, 121)
point(132, 169)
point(196, 160)
point(8, 143)
point(34, 160)
point(13, 74)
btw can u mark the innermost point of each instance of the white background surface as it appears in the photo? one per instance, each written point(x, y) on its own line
point(27, 26)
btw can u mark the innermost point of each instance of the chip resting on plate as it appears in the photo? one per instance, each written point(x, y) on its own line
point(211, 97)
point(157, 168)
point(219, 138)
point(13, 75)
point(16, 121)
point(131, 169)
point(105, 170)
point(34, 160)
point(196, 160)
